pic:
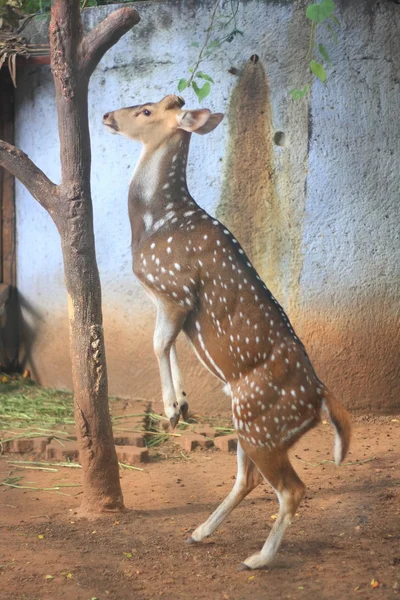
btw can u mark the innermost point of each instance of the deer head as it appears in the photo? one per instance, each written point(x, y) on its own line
point(154, 123)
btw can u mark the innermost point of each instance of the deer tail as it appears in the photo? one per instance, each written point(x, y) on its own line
point(340, 420)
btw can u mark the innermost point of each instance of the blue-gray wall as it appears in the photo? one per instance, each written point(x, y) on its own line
point(319, 214)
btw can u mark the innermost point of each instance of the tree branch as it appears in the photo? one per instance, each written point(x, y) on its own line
point(20, 165)
point(96, 43)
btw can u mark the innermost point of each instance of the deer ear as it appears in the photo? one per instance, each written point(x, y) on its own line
point(192, 120)
point(214, 120)
point(198, 121)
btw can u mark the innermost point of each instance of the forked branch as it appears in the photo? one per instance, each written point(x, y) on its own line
point(37, 183)
point(100, 39)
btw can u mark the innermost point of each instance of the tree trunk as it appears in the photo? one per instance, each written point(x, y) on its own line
point(73, 59)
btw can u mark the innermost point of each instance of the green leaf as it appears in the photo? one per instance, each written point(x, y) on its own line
point(231, 36)
point(324, 53)
point(320, 12)
point(299, 94)
point(202, 92)
point(204, 76)
point(195, 44)
point(318, 70)
point(332, 32)
point(214, 44)
point(182, 85)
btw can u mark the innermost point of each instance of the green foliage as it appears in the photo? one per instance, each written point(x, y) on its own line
point(15, 13)
point(182, 85)
point(30, 7)
point(226, 30)
point(204, 76)
point(222, 28)
point(324, 53)
point(318, 70)
point(320, 14)
point(299, 94)
point(203, 91)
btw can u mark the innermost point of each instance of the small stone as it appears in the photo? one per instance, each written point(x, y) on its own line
point(226, 443)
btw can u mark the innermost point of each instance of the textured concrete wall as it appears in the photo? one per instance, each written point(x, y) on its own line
point(318, 211)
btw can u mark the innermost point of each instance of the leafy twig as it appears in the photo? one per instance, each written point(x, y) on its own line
point(203, 91)
point(200, 56)
point(318, 13)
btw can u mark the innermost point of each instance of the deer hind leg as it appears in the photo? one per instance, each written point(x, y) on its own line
point(290, 490)
point(248, 477)
point(178, 384)
point(168, 325)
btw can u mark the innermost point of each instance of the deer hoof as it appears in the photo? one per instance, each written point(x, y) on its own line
point(184, 408)
point(174, 420)
point(243, 567)
point(190, 540)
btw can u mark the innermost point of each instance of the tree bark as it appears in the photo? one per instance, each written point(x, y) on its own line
point(73, 59)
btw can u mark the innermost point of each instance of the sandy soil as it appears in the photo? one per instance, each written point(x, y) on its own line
point(346, 533)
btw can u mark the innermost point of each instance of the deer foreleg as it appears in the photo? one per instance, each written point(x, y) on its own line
point(169, 324)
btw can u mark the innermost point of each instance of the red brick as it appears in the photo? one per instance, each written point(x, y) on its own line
point(69, 451)
point(40, 444)
point(191, 441)
point(132, 439)
point(226, 443)
point(27, 445)
point(132, 455)
point(21, 446)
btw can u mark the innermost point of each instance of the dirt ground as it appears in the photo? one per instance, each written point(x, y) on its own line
point(346, 533)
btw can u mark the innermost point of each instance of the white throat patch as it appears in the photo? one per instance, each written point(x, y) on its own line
point(147, 173)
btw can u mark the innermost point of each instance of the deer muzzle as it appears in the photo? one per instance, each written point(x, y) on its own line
point(110, 122)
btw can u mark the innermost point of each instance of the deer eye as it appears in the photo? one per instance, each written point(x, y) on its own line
point(146, 112)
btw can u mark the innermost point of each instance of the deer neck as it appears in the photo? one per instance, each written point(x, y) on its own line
point(159, 178)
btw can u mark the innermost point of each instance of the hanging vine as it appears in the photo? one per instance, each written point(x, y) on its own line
point(219, 31)
point(320, 14)
point(224, 29)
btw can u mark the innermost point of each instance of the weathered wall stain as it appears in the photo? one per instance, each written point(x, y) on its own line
point(350, 358)
point(248, 203)
point(258, 202)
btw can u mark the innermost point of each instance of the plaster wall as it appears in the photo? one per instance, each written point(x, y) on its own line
point(318, 212)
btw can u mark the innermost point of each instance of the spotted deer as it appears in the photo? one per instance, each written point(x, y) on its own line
point(202, 282)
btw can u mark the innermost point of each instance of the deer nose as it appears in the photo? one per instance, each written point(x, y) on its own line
point(106, 116)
